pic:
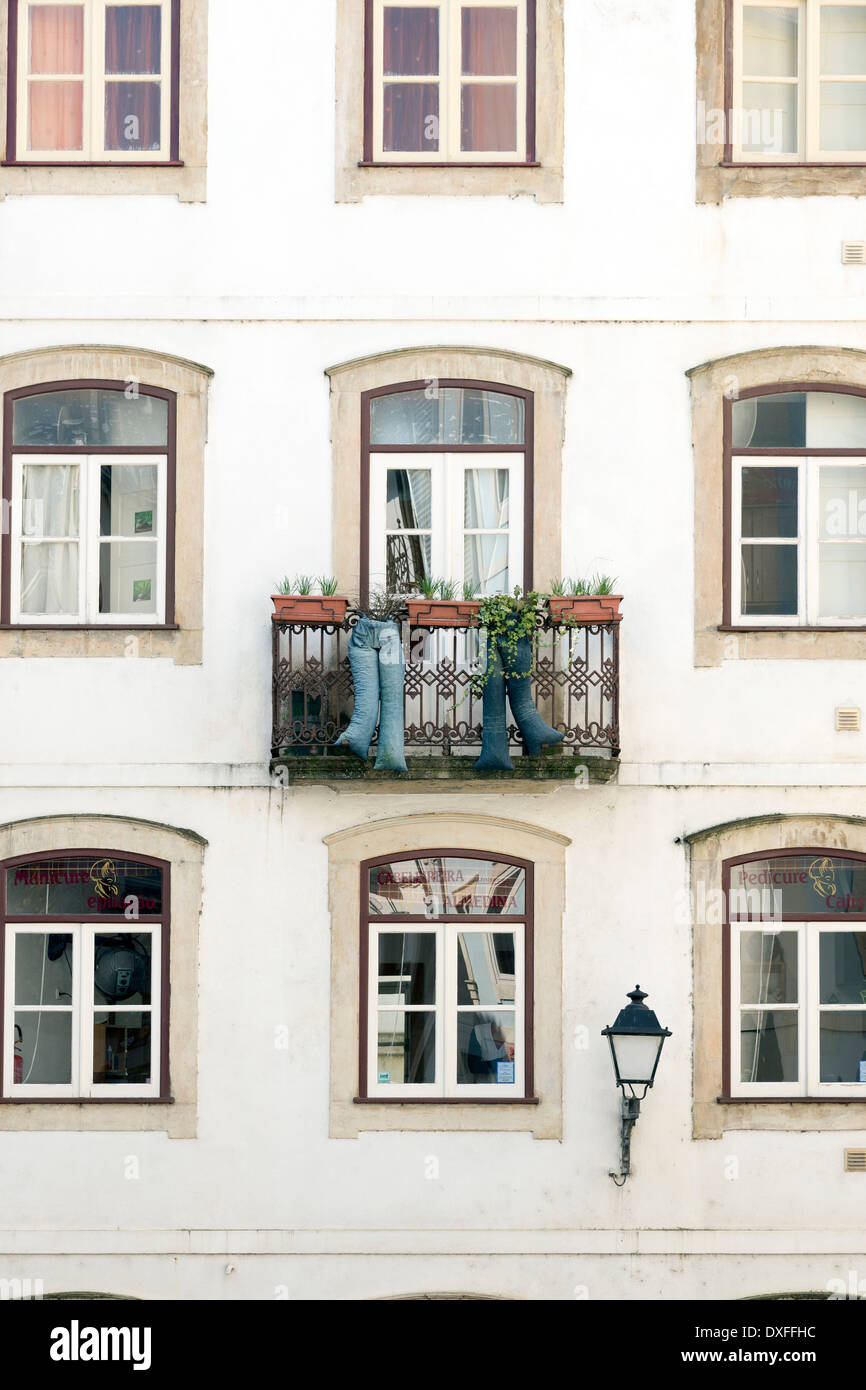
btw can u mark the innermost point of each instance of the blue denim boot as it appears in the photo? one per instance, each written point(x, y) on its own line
point(391, 754)
point(536, 732)
point(494, 732)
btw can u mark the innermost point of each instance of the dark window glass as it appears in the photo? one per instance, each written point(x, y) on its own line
point(771, 422)
point(768, 1045)
point(430, 887)
point(83, 886)
point(410, 114)
point(121, 968)
point(804, 885)
point(407, 968)
point(411, 41)
point(90, 418)
point(843, 967)
point(843, 1044)
point(769, 579)
point(769, 498)
point(121, 1048)
point(133, 114)
point(447, 415)
point(133, 36)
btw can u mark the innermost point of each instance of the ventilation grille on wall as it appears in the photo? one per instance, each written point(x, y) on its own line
point(854, 252)
point(855, 1160)
point(848, 719)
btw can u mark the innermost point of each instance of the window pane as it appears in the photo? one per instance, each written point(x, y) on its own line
point(411, 41)
point(43, 968)
point(806, 885)
point(768, 1045)
point(447, 415)
point(489, 42)
point(842, 580)
point(843, 967)
point(132, 115)
point(128, 500)
point(835, 420)
point(771, 422)
point(49, 579)
point(843, 1046)
point(127, 577)
point(83, 417)
point(407, 563)
point(133, 35)
point(485, 562)
point(769, 41)
point(121, 969)
point(768, 967)
point(485, 1048)
point(46, 1048)
point(488, 116)
point(50, 502)
point(406, 1052)
point(121, 1048)
point(57, 39)
point(485, 498)
point(56, 116)
point(485, 968)
point(409, 499)
point(769, 118)
point(83, 885)
point(843, 116)
point(429, 887)
point(843, 40)
point(769, 501)
point(842, 502)
point(769, 579)
point(407, 960)
point(410, 113)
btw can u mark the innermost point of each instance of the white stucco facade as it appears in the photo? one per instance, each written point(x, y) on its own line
point(629, 284)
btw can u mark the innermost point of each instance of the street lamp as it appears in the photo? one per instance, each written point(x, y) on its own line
point(636, 1042)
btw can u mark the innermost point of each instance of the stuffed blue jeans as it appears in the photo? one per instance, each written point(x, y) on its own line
point(376, 661)
point(509, 670)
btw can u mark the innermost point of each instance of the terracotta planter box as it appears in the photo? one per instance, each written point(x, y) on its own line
point(309, 608)
point(596, 608)
point(443, 612)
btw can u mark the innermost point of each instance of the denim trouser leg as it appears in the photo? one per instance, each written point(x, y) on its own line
point(535, 730)
point(494, 733)
point(391, 754)
point(364, 663)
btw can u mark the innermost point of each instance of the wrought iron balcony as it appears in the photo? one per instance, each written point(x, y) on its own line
point(575, 686)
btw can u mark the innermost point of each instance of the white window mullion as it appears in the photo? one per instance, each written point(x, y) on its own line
point(806, 542)
point(446, 1013)
point(90, 536)
point(94, 94)
point(83, 1048)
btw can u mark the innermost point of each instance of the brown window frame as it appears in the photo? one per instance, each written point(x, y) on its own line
point(530, 162)
point(727, 865)
point(527, 449)
point(529, 1096)
point(775, 388)
point(169, 452)
point(11, 157)
point(162, 920)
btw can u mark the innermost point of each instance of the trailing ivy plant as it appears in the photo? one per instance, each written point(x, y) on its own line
point(506, 618)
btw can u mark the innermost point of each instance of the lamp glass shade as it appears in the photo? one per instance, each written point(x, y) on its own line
point(636, 1056)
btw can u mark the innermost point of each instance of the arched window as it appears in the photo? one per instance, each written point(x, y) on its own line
point(446, 952)
point(795, 964)
point(89, 468)
point(85, 954)
point(795, 501)
point(447, 474)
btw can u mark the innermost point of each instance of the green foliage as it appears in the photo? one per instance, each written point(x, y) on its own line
point(470, 590)
point(384, 606)
point(602, 584)
point(428, 587)
point(327, 585)
point(506, 618)
point(284, 585)
point(448, 589)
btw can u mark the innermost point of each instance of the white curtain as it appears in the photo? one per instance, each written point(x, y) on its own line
point(49, 567)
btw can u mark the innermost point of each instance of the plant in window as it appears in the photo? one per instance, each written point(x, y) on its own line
point(573, 601)
point(443, 607)
point(296, 600)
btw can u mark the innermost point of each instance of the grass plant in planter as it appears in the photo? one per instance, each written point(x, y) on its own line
point(442, 606)
point(306, 599)
point(584, 600)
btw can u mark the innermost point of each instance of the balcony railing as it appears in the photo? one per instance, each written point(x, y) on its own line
point(575, 686)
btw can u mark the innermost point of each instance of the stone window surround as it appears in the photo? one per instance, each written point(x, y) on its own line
point(546, 380)
point(711, 384)
point(188, 182)
point(184, 850)
point(707, 851)
point(716, 179)
point(347, 849)
point(190, 383)
point(355, 181)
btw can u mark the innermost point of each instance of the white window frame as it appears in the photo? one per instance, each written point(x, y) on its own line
point(447, 531)
point(807, 541)
point(89, 539)
point(808, 1011)
point(94, 80)
point(807, 81)
point(446, 1009)
point(449, 81)
point(83, 1008)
